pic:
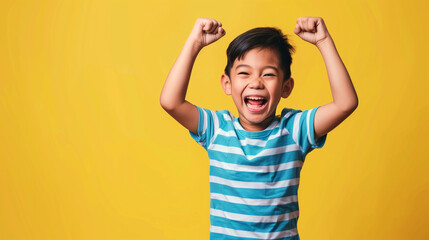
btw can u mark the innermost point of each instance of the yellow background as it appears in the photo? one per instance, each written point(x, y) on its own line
point(86, 151)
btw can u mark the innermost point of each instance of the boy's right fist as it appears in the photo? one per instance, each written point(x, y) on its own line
point(206, 31)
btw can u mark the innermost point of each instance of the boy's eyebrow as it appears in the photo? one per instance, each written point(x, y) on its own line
point(245, 65)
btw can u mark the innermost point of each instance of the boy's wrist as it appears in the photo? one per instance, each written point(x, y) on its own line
point(326, 43)
point(194, 45)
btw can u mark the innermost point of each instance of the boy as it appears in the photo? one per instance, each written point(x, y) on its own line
point(256, 159)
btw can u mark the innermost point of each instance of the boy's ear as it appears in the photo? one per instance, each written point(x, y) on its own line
point(226, 84)
point(287, 87)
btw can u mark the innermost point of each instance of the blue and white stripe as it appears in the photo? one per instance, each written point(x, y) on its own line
point(254, 176)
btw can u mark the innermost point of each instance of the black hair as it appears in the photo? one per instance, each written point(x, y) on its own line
point(263, 37)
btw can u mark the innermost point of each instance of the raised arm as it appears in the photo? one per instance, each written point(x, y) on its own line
point(204, 32)
point(345, 100)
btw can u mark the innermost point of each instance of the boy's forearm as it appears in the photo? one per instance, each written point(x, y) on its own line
point(175, 87)
point(343, 92)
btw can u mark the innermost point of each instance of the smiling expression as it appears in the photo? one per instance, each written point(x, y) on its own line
point(256, 85)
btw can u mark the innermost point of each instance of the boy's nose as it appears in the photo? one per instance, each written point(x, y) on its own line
point(257, 83)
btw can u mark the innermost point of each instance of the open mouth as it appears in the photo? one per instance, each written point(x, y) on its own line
point(255, 103)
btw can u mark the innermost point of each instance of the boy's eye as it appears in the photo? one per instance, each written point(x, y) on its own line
point(243, 73)
point(270, 75)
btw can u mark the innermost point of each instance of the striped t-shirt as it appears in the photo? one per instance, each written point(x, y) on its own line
point(254, 176)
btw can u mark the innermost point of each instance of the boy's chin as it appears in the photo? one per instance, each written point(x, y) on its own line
point(258, 116)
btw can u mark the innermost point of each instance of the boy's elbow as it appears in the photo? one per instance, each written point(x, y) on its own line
point(165, 104)
point(348, 107)
point(168, 104)
point(355, 103)
point(352, 105)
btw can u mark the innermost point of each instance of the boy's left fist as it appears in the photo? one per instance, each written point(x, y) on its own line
point(311, 29)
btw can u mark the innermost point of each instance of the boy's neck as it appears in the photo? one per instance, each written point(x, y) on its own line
point(256, 127)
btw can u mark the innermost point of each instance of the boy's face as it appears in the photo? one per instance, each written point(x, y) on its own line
point(256, 86)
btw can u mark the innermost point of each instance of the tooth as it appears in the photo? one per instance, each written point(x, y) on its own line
point(256, 98)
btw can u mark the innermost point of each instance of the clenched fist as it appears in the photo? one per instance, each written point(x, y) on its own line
point(206, 31)
point(311, 29)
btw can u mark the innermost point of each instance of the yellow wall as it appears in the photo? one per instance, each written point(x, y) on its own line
point(86, 152)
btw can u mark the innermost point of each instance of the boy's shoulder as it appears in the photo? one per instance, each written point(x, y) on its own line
point(217, 117)
point(294, 118)
point(288, 112)
point(224, 114)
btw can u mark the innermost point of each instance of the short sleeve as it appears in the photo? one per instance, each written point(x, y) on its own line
point(206, 126)
point(303, 131)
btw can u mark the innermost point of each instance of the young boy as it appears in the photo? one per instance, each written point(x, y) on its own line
point(256, 159)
